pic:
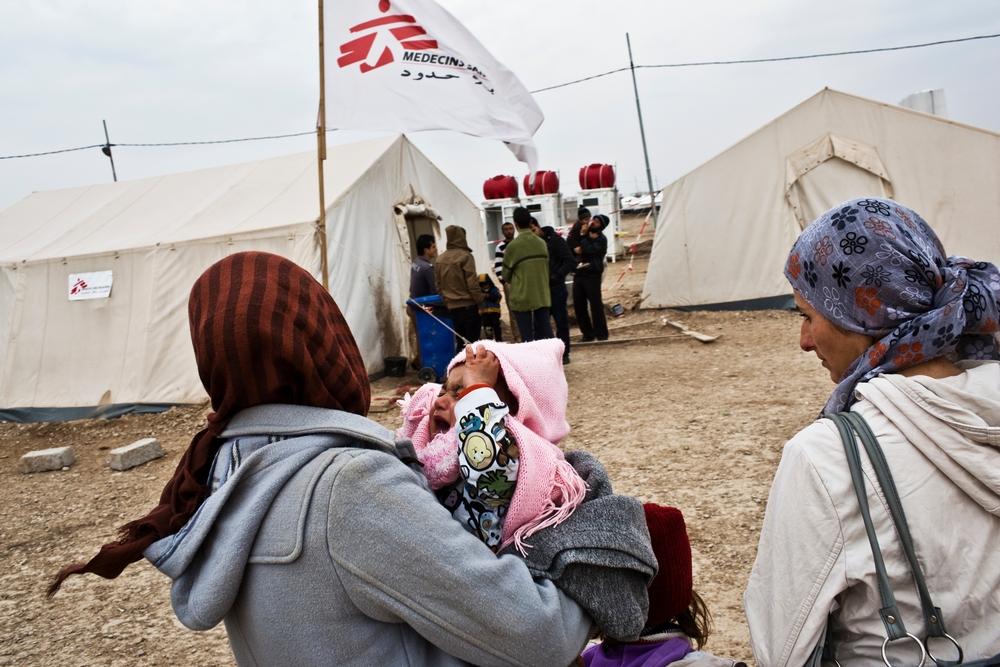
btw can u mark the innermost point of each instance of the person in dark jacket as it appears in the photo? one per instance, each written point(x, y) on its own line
point(421, 284)
point(561, 264)
point(422, 269)
point(587, 301)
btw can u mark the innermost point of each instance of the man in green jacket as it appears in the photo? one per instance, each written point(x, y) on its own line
point(526, 270)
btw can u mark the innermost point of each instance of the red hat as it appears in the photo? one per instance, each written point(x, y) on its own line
point(670, 590)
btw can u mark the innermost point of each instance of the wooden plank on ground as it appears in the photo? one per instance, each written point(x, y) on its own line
point(697, 335)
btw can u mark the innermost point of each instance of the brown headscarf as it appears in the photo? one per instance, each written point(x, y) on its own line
point(264, 331)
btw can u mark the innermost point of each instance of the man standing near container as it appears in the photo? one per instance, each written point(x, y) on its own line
point(526, 270)
point(507, 229)
point(561, 264)
point(458, 283)
point(590, 252)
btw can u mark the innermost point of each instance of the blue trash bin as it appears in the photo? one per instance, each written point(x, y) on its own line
point(435, 340)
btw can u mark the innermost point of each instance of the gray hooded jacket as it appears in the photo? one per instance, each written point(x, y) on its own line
point(319, 546)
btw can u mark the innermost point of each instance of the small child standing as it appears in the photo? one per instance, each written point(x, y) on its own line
point(678, 623)
point(489, 309)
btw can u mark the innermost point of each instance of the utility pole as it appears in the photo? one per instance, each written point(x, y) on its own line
point(321, 156)
point(642, 132)
point(106, 149)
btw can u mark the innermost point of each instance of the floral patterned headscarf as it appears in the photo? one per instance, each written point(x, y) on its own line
point(874, 267)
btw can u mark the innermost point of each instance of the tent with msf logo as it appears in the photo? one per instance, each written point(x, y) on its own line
point(724, 229)
point(138, 246)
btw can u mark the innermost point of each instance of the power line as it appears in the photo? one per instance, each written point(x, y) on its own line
point(61, 150)
point(829, 54)
point(586, 78)
point(168, 143)
point(745, 61)
point(222, 141)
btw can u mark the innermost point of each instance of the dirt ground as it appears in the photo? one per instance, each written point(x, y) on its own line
point(699, 426)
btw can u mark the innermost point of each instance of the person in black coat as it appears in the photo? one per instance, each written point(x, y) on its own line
point(587, 301)
point(561, 264)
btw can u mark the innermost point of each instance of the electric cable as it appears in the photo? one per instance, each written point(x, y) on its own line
point(747, 61)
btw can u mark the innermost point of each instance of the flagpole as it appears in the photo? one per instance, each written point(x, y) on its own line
point(321, 154)
point(642, 132)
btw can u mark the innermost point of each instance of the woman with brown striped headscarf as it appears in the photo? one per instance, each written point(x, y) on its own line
point(295, 520)
point(264, 331)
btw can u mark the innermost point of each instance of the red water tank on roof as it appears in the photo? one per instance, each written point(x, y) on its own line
point(546, 183)
point(500, 187)
point(595, 176)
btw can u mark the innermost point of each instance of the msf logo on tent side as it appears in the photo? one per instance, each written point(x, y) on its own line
point(406, 33)
point(78, 286)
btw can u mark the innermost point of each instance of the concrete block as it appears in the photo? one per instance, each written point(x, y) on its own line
point(139, 452)
point(43, 460)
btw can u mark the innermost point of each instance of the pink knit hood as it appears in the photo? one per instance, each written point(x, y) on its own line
point(548, 488)
point(437, 454)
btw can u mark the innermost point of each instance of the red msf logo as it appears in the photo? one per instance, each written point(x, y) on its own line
point(78, 286)
point(406, 32)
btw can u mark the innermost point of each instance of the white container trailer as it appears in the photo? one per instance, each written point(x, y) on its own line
point(547, 209)
point(495, 213)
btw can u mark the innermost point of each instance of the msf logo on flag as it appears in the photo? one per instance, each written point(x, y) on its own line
point(78, 286)
point(405, 32)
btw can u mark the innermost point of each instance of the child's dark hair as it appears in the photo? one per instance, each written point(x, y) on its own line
point(696, 620)
point(424, 241)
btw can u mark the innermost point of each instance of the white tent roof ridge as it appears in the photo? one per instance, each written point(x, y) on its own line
point(896, 107)
point(110, 203)
point(834, 91)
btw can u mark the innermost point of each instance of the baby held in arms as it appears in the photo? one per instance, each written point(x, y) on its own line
point(488, 441)
point(488, 447)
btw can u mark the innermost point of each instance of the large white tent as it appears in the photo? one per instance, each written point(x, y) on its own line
point(157, 235)
point(725, 229)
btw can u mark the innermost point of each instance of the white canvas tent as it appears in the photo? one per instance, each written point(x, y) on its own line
point(725, 229)
point(157, 235)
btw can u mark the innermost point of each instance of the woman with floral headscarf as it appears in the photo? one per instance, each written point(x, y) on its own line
point(908, 336)
point(302, 525)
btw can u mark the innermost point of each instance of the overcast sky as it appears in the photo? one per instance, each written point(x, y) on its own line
point(176, 70)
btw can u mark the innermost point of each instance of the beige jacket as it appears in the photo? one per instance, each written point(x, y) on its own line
point(941, 439)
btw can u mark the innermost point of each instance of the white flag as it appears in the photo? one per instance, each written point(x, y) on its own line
point(407, 65)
